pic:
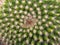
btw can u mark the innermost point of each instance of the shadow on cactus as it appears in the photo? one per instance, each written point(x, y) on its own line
point(33, 22)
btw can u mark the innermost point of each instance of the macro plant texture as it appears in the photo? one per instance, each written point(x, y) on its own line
point(29, 22)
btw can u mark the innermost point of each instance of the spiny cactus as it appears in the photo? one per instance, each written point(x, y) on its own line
point(30, 22)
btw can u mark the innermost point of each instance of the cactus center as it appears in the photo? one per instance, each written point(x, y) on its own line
point(29, 21)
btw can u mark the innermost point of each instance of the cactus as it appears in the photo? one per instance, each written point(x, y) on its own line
point(33, 22)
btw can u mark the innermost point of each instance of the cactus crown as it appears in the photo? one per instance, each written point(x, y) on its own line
point(34, 22)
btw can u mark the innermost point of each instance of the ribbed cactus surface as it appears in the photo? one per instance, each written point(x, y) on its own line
point(30, 22)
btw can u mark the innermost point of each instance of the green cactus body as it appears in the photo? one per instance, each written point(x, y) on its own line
point(33, 22)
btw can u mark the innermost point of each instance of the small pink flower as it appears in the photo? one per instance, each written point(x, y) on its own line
point(2, 42)
point(1, 2)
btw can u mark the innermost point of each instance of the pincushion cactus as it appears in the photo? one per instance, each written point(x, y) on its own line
point(33, 22)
